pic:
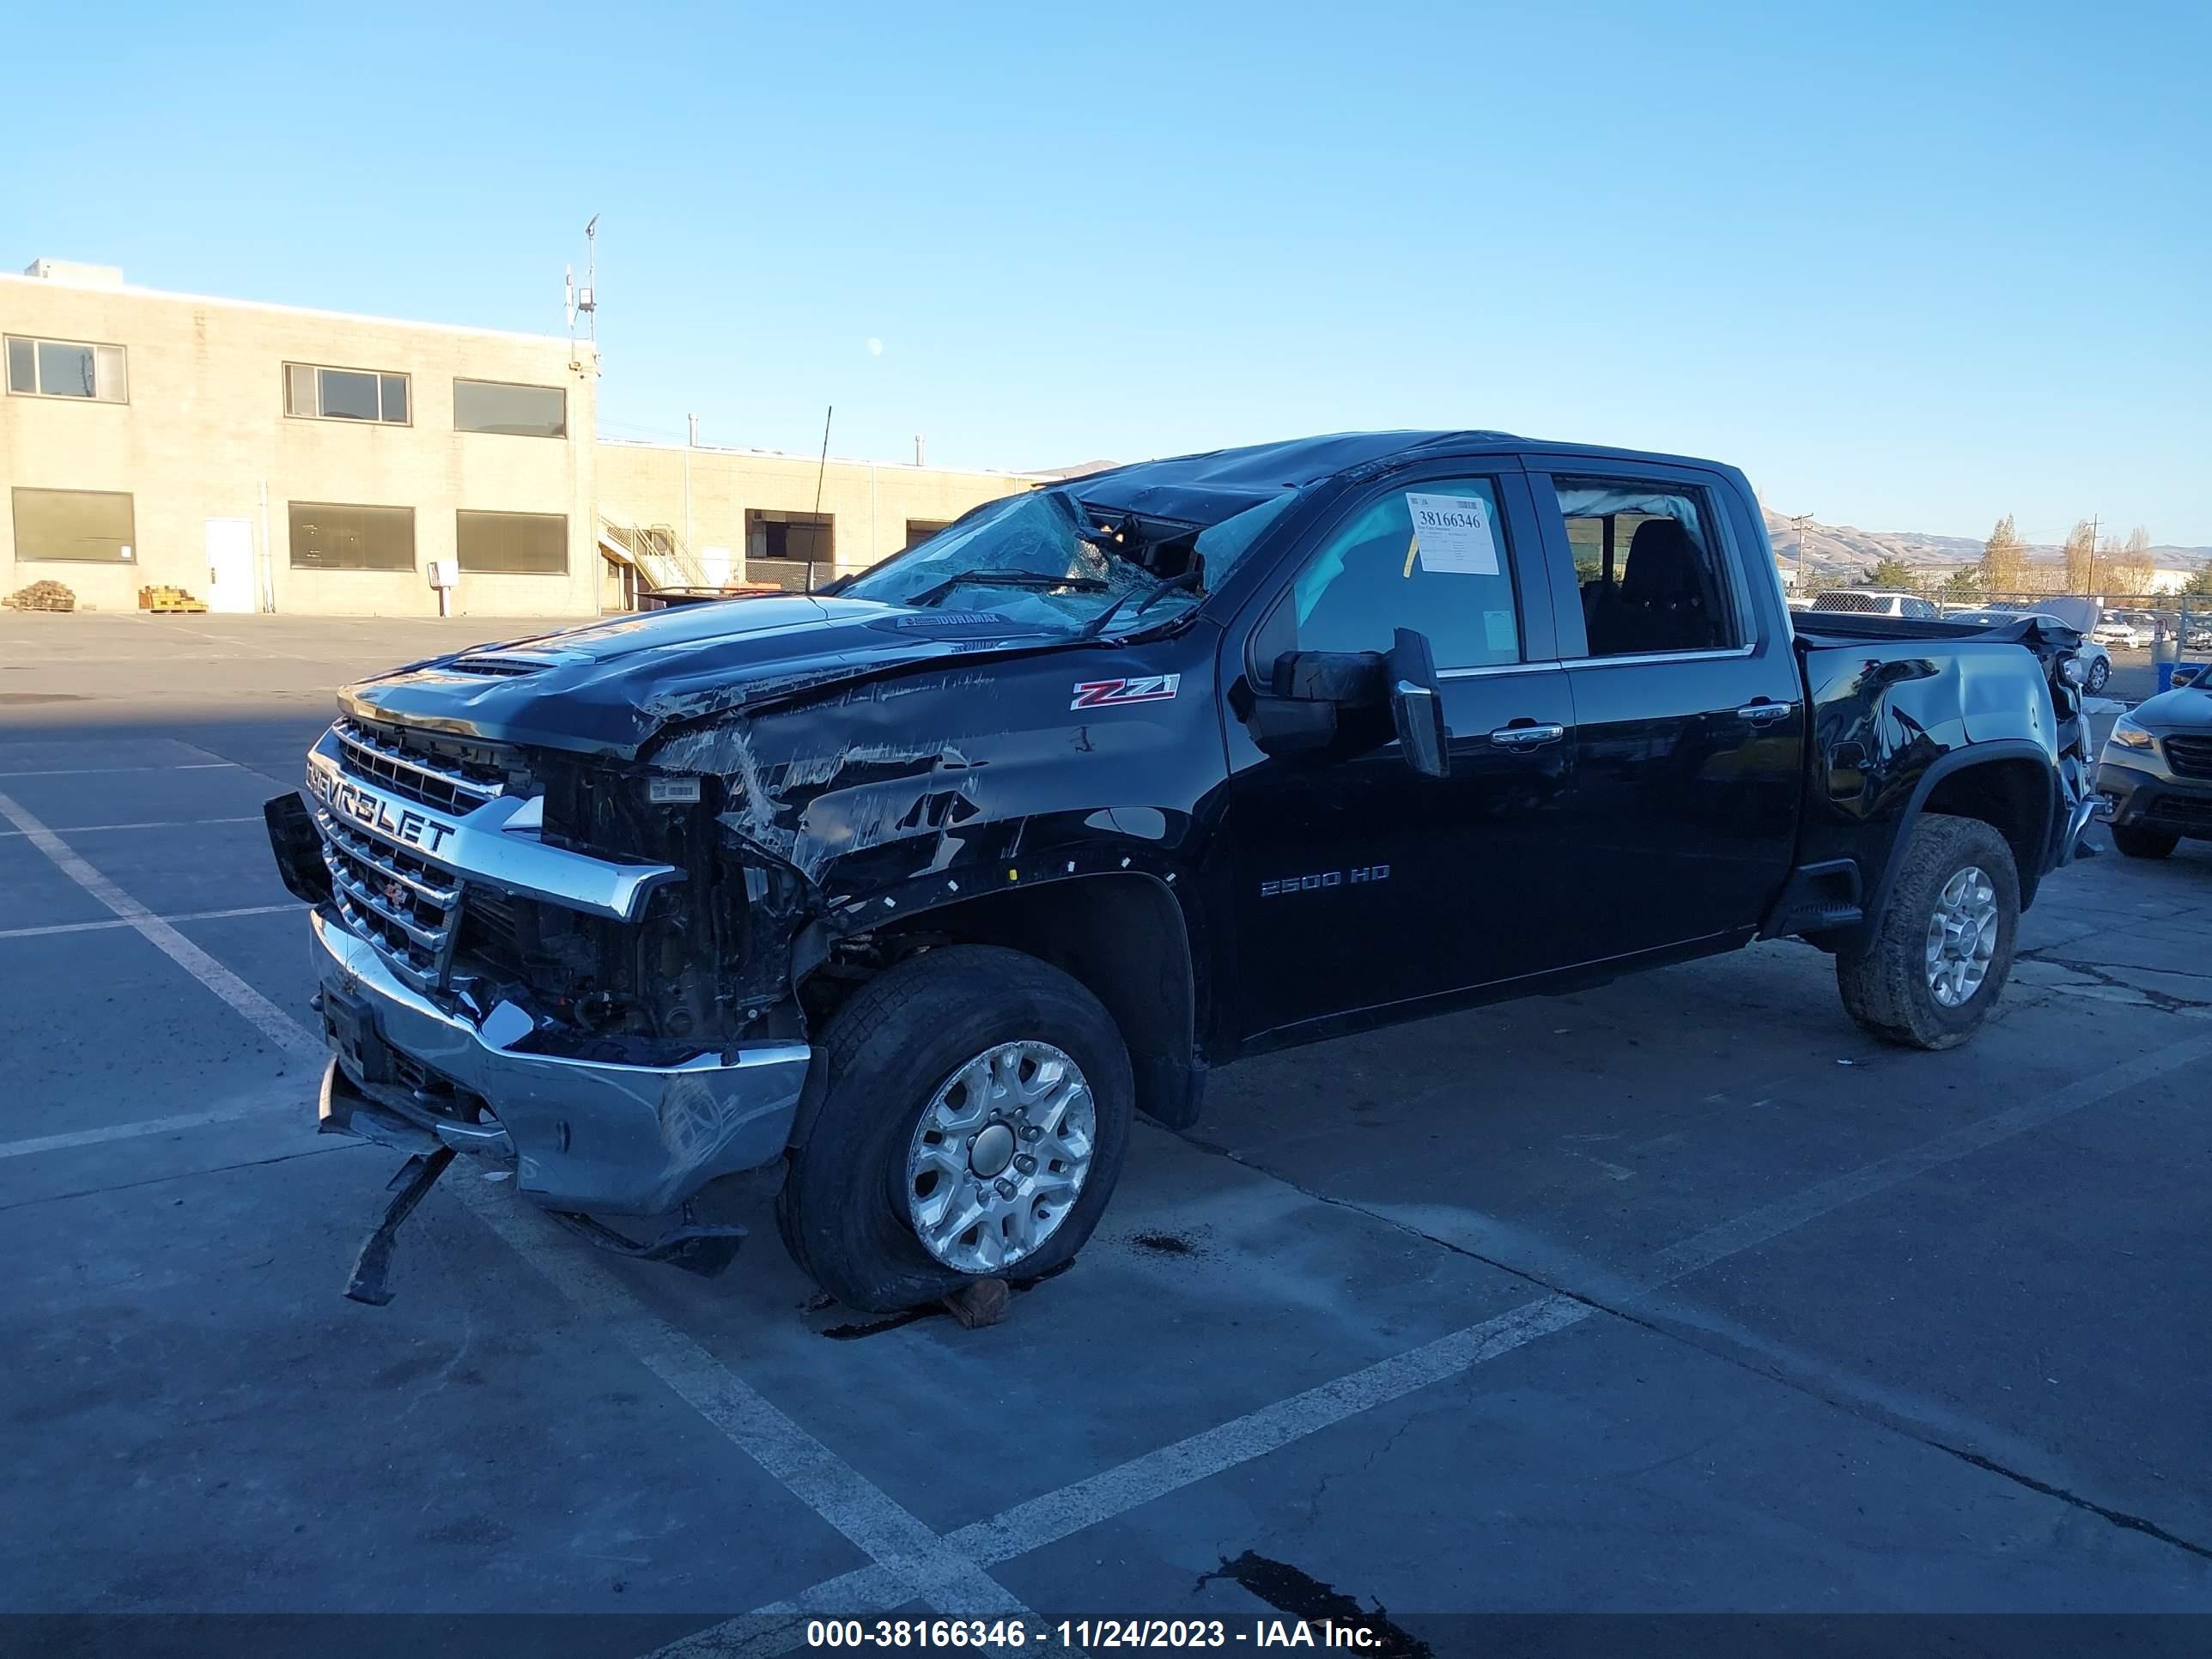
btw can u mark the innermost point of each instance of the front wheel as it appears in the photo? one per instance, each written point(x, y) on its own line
point(977, 1111)
point(1942, 949)
point(2138, 842)
point(2099, 672)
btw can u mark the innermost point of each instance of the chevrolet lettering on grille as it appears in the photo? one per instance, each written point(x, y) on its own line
point(408, 825)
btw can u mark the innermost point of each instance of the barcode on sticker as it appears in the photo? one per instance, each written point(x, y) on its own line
point(671, 791)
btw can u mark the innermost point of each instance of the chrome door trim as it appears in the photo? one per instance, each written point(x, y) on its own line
point(1491, 671)
point(1731, 654)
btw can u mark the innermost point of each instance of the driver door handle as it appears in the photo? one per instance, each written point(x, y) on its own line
point(1526, 736)
point(1765, 714)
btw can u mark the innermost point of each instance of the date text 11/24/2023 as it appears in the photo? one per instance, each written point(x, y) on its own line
point(1089, 1635)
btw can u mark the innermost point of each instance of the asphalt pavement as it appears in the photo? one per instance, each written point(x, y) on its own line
point(1681, 1295)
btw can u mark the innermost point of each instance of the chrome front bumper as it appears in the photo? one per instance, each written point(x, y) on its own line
point(583, 1135)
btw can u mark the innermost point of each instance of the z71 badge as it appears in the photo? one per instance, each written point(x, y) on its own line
point(1112, 693)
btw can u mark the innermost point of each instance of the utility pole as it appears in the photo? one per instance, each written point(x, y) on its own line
point(1801, 519)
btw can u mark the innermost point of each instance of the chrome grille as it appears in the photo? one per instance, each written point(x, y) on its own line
point(377, 759)
point(400, 903)
point(2190, 756)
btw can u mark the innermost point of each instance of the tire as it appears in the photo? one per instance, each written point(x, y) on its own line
point(904, 1040)
point(2138, 842)
point(2101, 671)
point(1888, 987)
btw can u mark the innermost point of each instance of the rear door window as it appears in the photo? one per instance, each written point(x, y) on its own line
point(1650, 566)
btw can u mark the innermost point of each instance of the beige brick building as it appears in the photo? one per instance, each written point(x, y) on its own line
point(266, 457)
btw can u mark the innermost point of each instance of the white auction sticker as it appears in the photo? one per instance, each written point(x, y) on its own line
point(1453, 533)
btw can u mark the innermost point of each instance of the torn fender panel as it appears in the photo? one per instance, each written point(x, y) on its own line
point(945, 770)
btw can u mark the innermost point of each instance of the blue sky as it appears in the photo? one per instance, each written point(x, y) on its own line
point(1911, 265)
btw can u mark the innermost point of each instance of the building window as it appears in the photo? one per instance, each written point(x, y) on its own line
point(85, 526)
point(512, 544)
point(795, 550)
point(67, 368)
point(332, 536)
point(522, 411)
point(919, 531)
point(314, 393)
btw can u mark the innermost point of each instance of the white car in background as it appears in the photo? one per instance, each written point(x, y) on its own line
point(1877, 602)
point(2126, 635)
point(2096, 661)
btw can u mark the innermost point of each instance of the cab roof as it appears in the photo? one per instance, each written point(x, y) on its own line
point(1209, 487)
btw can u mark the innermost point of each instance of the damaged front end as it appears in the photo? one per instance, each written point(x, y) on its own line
point(496, 979)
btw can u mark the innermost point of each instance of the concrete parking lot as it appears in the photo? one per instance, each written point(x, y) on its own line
point(1679, 1295)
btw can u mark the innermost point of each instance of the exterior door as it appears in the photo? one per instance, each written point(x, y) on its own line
point(230, 565)
point(1690, 724)
point(1358, 882)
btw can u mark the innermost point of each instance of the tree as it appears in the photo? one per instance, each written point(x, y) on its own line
point(1891, 571)
point(2199, 586)
point(1962, 585)
point(2133, 567)
point(2082, 565)
point(2002, 557)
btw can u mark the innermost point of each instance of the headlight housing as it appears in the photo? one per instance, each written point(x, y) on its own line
point(2126, 734)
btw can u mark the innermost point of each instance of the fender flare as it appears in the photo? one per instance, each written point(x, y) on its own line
point(1944, 766)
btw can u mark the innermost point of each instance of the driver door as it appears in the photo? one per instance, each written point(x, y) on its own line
point(1361, 886)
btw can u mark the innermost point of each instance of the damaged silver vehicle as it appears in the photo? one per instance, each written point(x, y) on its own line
point(907, 896)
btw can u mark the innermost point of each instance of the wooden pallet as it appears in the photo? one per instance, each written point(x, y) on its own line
point(170, 601)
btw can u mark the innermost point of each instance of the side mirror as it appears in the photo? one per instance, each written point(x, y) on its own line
point(1417, 706)
point(1297, 712)
point(1349, 679)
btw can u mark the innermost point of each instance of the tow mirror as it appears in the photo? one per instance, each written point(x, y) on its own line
point(1296, 713)
point(1416, 706)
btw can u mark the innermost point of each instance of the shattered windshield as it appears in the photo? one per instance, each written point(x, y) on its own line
point(1046, 559)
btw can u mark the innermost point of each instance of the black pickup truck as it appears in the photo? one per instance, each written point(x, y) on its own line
point(910, 892)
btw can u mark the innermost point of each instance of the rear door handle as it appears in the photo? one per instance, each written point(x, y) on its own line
point(1526, 736)
point(1765, 714)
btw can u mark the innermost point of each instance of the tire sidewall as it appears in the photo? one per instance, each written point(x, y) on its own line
point(847, 1184)
point(1984, 848)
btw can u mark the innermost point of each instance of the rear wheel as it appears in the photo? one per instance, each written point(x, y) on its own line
point(977, 1111)
point(2138, 842)
point(1942, 949)
point(2099, 672)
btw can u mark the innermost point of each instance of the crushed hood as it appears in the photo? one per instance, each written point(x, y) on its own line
point(609, 687)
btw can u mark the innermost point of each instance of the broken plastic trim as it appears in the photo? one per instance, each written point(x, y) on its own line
point(416, 1176)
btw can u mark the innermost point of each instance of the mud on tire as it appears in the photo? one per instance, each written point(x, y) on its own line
point(1885, 987)
point(843, 1209)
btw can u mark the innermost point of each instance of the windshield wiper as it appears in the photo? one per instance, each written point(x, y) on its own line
point(1150, 591)
point(1035, 579)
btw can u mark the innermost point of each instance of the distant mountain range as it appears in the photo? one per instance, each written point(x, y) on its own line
point(1840, 547)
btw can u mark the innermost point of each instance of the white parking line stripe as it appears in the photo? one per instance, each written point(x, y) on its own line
point(1731, 1238)
point(150, 1126)
point(128, 921)
point(265, 1016)
point(890, 1534)
point(158, 824)
point(88, 771)
point(1113, 1492)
